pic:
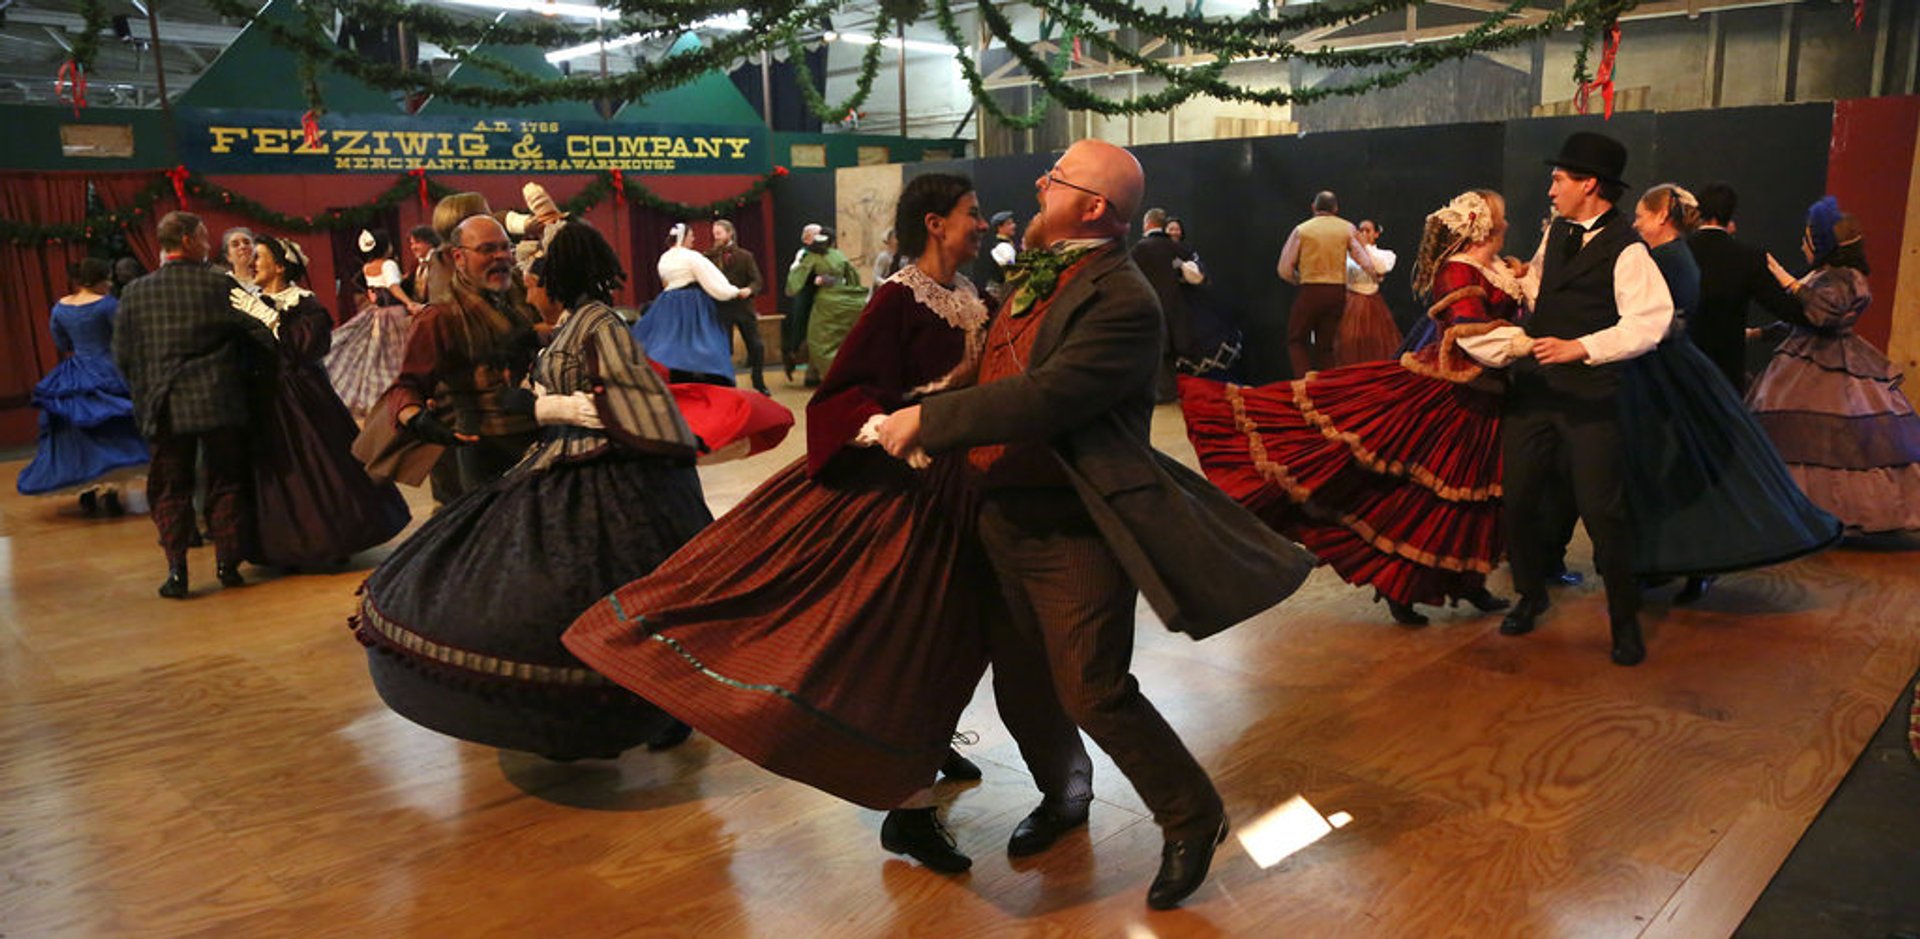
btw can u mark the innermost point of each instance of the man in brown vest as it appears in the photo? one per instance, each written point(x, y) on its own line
point(1315, 258)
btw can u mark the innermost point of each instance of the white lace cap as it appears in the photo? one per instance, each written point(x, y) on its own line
point(366, 241)
point(1469, 216)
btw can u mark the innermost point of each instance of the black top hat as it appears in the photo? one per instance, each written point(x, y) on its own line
point(1594, 155)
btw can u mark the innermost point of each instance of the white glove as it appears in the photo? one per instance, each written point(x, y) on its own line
point(255, 307)
point(1190, 272)
point(576, 409)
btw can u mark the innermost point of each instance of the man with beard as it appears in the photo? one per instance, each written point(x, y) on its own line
point(1079, 515)
point(742, 271)
point(467, 353)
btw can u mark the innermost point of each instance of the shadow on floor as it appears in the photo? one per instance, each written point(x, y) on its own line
point(1856, 872)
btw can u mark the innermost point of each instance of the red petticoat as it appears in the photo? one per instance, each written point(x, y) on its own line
point(1392, 477)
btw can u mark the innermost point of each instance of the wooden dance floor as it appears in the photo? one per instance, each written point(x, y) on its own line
point(222, 767)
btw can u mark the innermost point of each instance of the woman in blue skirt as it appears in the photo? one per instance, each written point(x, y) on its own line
point(87, 429)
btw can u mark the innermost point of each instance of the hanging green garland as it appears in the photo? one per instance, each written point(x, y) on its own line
point(772, 22)
point(86, 45)
point(782, 23)
point(140, 210)
point(436, 25)
point(862, 86)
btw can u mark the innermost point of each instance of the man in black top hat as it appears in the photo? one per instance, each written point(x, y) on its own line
point(1599, 301)
point(996, 255)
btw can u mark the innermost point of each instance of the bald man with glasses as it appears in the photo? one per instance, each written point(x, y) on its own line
point(1080, 516)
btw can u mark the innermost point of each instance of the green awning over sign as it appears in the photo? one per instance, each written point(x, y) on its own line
point(709, 99)
point(528, 59)
point(254, 72)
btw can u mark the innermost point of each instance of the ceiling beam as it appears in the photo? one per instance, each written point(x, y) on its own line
point(198, 34)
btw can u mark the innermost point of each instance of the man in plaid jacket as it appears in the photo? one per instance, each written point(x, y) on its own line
point(185, 352)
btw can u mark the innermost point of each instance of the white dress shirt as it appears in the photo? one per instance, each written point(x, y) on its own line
point(1639, 293)
point(1361, 281)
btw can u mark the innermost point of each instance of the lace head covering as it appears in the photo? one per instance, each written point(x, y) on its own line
point(1469, 217)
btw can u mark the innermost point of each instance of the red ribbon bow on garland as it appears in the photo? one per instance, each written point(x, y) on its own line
point(1859, 13)
point(310, 126)
point(619, 189)
point(420, 173)
point(1603, 76)
point(70, 84)
point(179, 176)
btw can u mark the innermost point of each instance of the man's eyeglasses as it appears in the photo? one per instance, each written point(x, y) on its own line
point(1053, 179)
point(488, 247)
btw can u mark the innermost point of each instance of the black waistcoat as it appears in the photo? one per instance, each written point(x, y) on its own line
point(1576, 298)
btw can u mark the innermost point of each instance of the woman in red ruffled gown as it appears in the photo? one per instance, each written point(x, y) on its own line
point(828, 628)
point(1389, 471)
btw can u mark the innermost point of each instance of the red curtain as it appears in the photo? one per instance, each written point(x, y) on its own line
point(33, 276)
point(650, 228)
point(116, 191)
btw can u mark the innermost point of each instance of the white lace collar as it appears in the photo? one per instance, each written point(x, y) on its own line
point(1496, 275)
point(959, 306)
point(289, 296)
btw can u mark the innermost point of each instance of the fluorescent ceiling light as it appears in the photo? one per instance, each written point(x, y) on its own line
point(917, 45)
point(592, 48)
point(734, 22)
point(581, 10)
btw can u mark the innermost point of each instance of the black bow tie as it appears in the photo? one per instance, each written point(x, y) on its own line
point(1573, 236)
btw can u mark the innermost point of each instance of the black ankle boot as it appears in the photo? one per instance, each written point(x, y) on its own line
point(957, 767)
point(176, 586)
point(1405, 614)
point(229, 574)
point(111, 502)
point(675, 735)
point(1484, 601)
point(89, 502)
point(918, 834)
point(1628, 647)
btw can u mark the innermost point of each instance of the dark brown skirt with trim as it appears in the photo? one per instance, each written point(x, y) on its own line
point(828, 630)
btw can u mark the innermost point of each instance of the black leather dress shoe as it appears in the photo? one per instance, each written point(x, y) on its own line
point(957, 767)
point(176, 586)
point(1041, 828)
point(229, 574)
point(1183, 868)
point(1628, 647)
point(1695, 589)
point(918, 834)
point(1520, 619)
